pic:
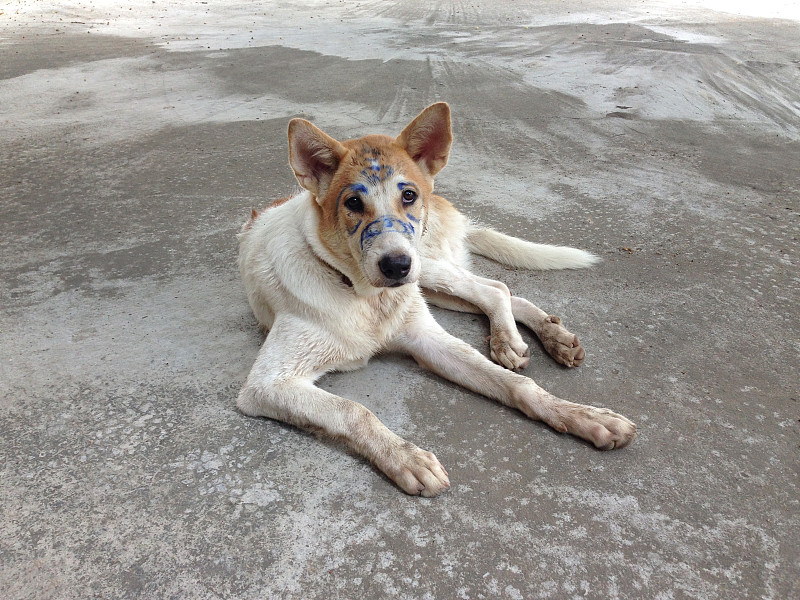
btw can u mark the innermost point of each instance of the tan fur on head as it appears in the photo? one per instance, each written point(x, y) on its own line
point(376, 170)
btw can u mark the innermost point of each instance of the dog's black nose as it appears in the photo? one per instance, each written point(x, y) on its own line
point(395, 266)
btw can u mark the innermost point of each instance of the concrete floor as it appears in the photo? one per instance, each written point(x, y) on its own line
point(663, 136)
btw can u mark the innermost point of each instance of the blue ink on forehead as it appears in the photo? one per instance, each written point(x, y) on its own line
point(376, 173)
point(357, 187)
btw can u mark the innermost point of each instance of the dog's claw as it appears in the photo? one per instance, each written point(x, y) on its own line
point(559, 343)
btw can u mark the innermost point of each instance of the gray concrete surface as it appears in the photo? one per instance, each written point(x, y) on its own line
point(662, 136)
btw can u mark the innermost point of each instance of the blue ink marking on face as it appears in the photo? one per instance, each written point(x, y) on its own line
point(371, 178)
point(355, 228)
point(385, 224)
point(356, 187)
point(403, 185)
point(376, 173)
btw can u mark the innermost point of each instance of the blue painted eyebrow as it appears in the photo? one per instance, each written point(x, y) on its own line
point(355, 187)
point(405, 184)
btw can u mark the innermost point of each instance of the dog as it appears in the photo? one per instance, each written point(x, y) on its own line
point(345, 269)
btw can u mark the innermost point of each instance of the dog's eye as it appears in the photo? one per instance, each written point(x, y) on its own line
point(354, 204)
point(409, 196)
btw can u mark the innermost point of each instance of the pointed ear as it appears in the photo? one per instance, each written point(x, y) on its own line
point(427, 138)
point(314, 156)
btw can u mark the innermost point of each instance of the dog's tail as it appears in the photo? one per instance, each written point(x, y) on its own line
point(518, 253)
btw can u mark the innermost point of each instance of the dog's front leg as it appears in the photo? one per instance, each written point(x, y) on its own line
point(278, 387)
point(454, 359)
point(506, 346)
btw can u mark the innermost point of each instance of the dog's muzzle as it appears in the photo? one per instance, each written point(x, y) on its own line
point(388, 252)
point(384, 224)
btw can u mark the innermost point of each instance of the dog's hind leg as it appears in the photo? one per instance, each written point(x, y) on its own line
point(455, 288)
point(559, 343)
point(454, 359)
point(564, 347)
point(281, 386)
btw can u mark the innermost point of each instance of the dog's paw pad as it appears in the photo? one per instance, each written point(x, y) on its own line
point(559, 343)
point(416, 471)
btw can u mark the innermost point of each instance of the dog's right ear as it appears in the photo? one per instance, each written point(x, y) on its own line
point(314, 156)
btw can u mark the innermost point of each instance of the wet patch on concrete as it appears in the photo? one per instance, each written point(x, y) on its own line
point(33, 50)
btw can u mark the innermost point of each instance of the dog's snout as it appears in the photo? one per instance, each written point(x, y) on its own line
point(395, 266)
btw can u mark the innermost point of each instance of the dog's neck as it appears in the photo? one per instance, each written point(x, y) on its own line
point(345, 278)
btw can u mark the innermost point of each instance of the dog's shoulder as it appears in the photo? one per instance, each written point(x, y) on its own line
point(445, 231)
point(443, 211)
point(255, 214)
point(273, 254)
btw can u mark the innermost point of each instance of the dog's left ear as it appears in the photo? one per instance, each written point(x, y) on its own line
point(427, 138)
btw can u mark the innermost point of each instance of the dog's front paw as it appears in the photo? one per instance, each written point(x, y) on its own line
point(415, 471)
point(509, 350)
point(603, 428)
point(559, 343)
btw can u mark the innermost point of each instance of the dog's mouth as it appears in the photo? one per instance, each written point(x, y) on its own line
point(385, 283)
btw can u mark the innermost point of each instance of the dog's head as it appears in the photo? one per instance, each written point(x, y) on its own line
point(371, 192)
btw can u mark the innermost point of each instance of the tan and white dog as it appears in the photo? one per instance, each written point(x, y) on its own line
point(335, 275)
